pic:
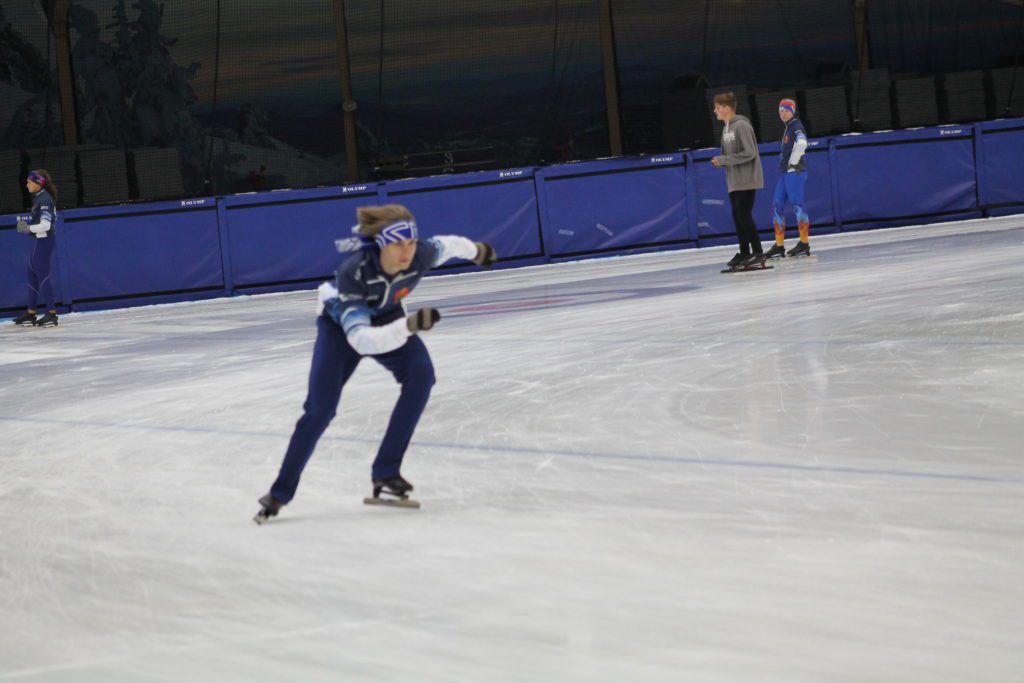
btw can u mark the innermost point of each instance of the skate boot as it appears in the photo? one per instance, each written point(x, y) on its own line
point(801, 249)
point(396, 487)
point(777, 251)
point(737, 259)
point(48, 320)
point(269, 507)
point(753, 262)
point(28, 318)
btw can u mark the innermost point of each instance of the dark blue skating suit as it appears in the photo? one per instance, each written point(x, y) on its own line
point(366, 297)
point(41, 224)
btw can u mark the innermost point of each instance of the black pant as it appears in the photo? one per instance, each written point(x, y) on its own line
point(743, 217)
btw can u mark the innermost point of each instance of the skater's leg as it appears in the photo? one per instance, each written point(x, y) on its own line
point(744, 213)
point(334, 361)
point(736, 203)
point(42, 265)
point(413, 369)
point(33, 277)
point(795, 190)
point(778, 206)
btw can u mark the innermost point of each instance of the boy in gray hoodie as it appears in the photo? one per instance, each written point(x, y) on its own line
point(743, 177)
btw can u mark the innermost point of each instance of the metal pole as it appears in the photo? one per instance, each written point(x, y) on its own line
point(348, 104)
point(860, 24)
point(611, 82)
point(65, 81)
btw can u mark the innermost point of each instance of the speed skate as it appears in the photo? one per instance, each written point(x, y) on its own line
point(403, 502)
point(393, 492)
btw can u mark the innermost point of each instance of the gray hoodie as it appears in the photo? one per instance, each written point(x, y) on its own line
point(739, 156)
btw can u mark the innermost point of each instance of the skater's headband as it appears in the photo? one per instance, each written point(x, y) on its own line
point(396, 232)
point(789, 105)
point(37, 178)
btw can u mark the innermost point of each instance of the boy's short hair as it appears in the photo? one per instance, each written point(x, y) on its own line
point(726, 99)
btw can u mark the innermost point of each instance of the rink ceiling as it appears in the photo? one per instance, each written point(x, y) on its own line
point(631, 469)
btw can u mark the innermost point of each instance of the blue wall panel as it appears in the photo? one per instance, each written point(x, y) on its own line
point(908, 174)
point(121, 252)
point(1002, 162)
point(288, 236)
point(197, 248)
point(612, 205)
point(710, 196)
point(499, 207)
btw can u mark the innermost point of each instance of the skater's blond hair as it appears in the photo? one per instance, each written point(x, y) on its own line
point(373, 219)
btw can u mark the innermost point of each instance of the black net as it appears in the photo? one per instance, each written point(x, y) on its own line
point(30, 114)
point(673, 57)
point(512, 83)
point(185, 98)
point(971, 50)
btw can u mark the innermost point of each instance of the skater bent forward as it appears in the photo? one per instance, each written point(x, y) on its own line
point(363, 314)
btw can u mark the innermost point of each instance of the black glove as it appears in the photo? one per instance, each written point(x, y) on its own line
point(793, 168)
point(485, 255)
point(422, 320)
point(23, 226)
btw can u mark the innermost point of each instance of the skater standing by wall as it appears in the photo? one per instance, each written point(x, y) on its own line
point(743, 177)
point(41, 227)
point(363, 314)
point(790, 185)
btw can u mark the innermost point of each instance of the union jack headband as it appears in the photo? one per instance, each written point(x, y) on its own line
point(396, 232)
point(36, 178)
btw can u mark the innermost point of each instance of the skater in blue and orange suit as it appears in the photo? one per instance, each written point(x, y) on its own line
point(790, 186)
point(363, 314)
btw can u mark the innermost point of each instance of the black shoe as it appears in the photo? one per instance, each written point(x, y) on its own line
point(25, 319)
point(737, 259)
point(754, 261)
point(777, 251)
point(48, 320)
point(269, 507)
point(393, 486)
point(801, 249)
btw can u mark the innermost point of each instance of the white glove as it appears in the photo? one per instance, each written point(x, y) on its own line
point(23, 226)
point(324, 292)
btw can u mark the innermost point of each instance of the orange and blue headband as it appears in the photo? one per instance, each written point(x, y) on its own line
point(788, 105)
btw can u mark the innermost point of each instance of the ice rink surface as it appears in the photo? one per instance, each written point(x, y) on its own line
point(631, 470)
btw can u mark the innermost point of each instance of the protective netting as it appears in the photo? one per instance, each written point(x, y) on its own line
point(518, 81)
point(222, 96)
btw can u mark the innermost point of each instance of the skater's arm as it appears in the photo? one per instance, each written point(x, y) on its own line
point(748, 147)
point(366, 339)
point(42, 226)
point(351, 315)
point(370, 341)
point(799, 147)
point(455, 246)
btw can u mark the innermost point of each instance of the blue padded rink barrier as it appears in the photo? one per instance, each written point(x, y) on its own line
point(631, 469)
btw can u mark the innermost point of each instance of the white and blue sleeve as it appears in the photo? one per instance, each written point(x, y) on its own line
point(452, 246)
point(799, 147)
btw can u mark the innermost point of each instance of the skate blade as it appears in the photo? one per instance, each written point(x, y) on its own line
point(747, 270)
point(260, 518)
point(395, 503)
point(809, 257)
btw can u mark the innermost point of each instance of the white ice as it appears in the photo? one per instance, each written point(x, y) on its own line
point(631, 470)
